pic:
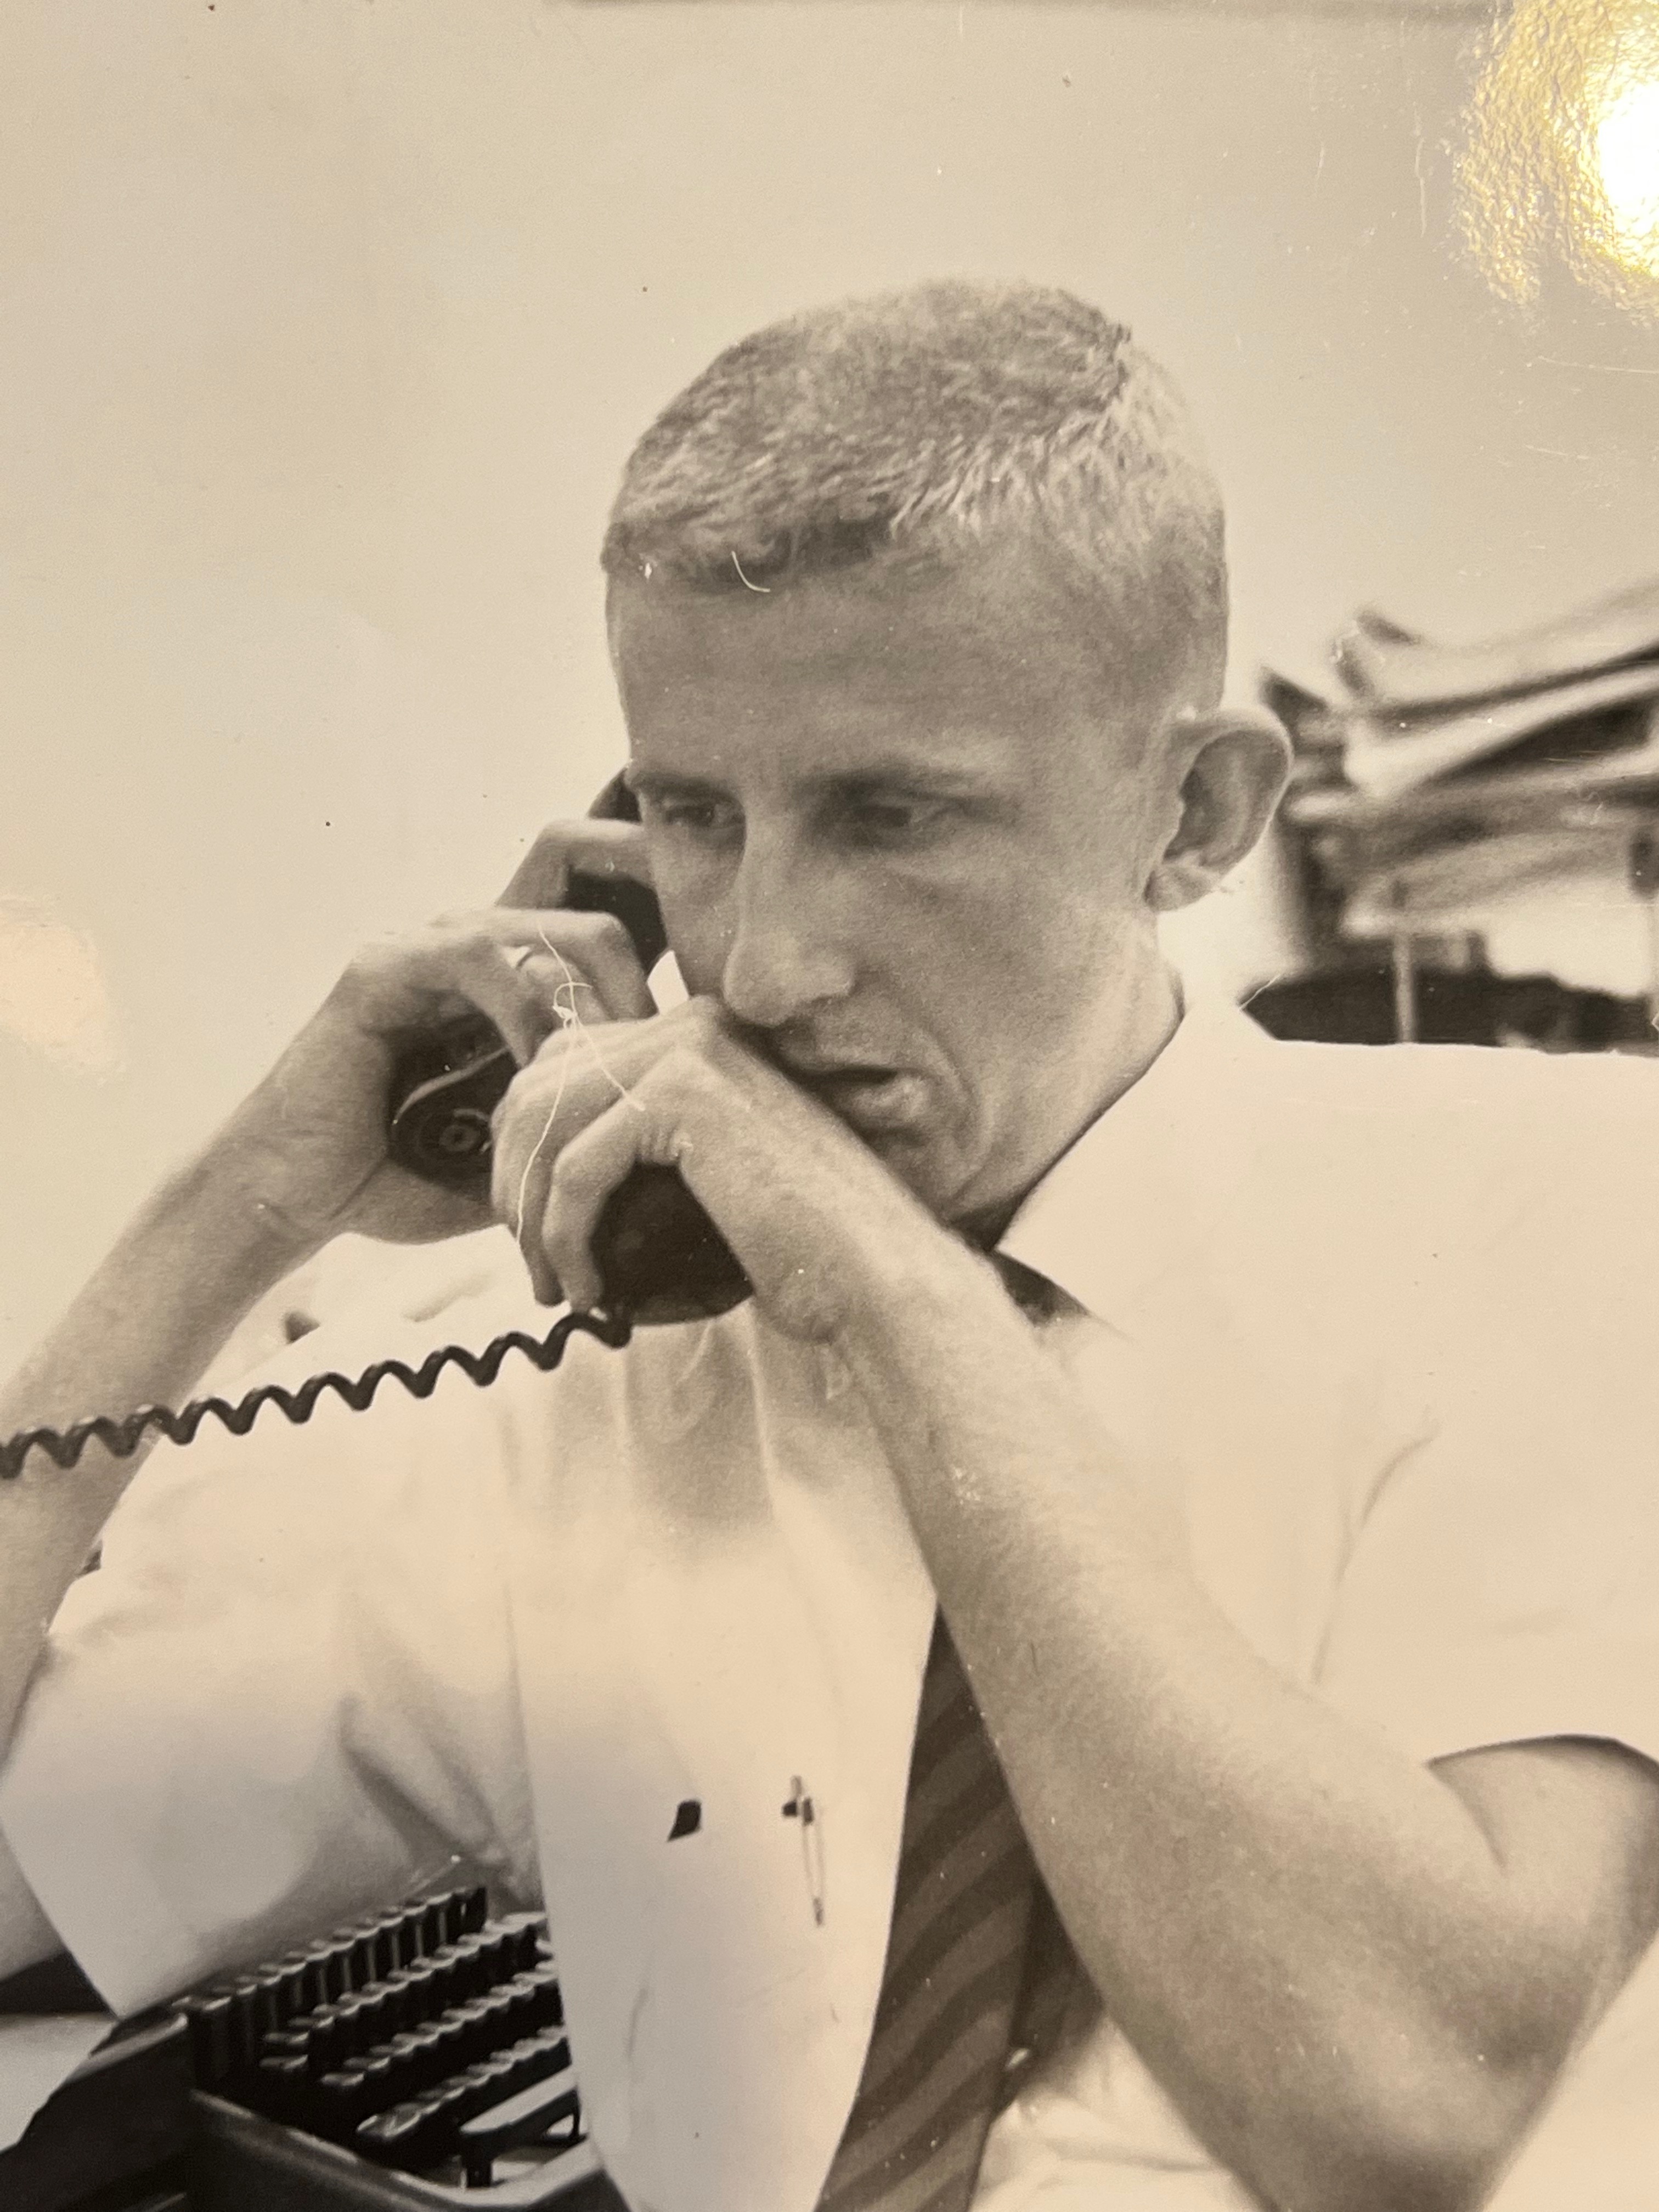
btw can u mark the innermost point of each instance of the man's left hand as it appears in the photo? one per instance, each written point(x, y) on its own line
point(814, 1217)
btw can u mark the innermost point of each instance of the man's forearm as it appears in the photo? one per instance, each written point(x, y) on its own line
point(1304, 1934)
point(141, 1333)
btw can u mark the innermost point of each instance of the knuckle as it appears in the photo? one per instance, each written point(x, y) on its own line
point(555, 1048)
point(702, 1027)
point(531, 1121)
point(565, 1176)
point(557, 1240)
point(673, 1070)
point(519, 1120)
point(684, 1072)
point(462, 925)
point(539, 877)
point(366, 965)
point(378, 953)
point(554, 975)
point(602, 933)
point(475, 961)
point(384, 965)
point(450, 938)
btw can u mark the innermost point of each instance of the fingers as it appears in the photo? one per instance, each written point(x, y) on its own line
point(587, 1170)
point(490, 978)
point(564, 990)
point(573, 1080)
point(595, 946)
point(594, 1104)
point(558, 948)
point(420, 982)
point(527, 1133)
point(529, 972)
point(588, 848)
point(520, 1199)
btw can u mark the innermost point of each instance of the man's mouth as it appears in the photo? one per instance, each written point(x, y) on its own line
point(875, 1101)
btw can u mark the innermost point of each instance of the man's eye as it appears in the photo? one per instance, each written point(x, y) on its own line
point(697, 817)
point(892, 817)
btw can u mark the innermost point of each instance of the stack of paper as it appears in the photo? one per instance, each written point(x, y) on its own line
point(1442, 782)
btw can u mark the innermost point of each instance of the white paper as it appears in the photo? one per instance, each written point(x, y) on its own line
point(39, 2050)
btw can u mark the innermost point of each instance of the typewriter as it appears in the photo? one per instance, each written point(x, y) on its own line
point(418, 2059)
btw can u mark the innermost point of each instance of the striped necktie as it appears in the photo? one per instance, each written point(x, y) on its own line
point(956, 1955)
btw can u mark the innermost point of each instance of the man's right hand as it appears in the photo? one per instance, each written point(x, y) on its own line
point(307, 1149)
point(303, 1158)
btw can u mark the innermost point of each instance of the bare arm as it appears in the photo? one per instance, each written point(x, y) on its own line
point(191, 1264)
point(141, 1332)
point(302, 1160)
point(1357, 1977)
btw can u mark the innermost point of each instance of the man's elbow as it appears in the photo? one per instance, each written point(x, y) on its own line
point(1406, 2164)
point(1421, 2130)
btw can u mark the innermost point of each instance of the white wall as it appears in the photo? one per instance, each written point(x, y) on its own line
point(325, 328)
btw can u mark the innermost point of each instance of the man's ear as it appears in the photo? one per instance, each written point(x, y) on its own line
point(1231, 765)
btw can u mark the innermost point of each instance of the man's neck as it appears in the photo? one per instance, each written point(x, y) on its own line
point(1145, 1019)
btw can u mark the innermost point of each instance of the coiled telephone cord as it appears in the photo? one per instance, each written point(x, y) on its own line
point(123, 1437)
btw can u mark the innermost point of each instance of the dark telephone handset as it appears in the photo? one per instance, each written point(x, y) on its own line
point(658, 1255)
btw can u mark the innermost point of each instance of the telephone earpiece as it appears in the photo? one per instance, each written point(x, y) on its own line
point(660, 1256)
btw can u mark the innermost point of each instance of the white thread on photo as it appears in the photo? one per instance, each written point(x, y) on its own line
point(568, 1016)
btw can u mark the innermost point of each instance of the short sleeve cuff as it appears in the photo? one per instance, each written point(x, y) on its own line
point(166, 1852)
point(107, 1912)
point(1438, 1700)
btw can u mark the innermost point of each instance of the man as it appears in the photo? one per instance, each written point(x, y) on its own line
point(1290, 1525)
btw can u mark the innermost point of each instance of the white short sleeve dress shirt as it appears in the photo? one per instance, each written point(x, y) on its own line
point(1380, 1321)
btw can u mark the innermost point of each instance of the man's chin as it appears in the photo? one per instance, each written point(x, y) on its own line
point(933, 1180)
point(958, 1201)
point(893, 1120)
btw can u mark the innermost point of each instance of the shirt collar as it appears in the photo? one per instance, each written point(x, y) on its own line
point(1143, 1184)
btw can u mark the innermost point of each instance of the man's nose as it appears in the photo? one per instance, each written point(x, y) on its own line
point(784, 954)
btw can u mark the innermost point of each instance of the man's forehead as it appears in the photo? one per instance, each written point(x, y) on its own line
point(977, 642)
point(830, 714)
point(858, 603)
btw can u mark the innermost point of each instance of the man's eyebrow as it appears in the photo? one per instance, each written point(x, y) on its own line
point(941, 777)
point(654, 783)
point(924, 778)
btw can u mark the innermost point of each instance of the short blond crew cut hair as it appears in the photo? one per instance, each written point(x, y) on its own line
point(910, 426)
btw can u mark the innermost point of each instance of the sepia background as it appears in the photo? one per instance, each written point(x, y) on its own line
point(326, 328)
